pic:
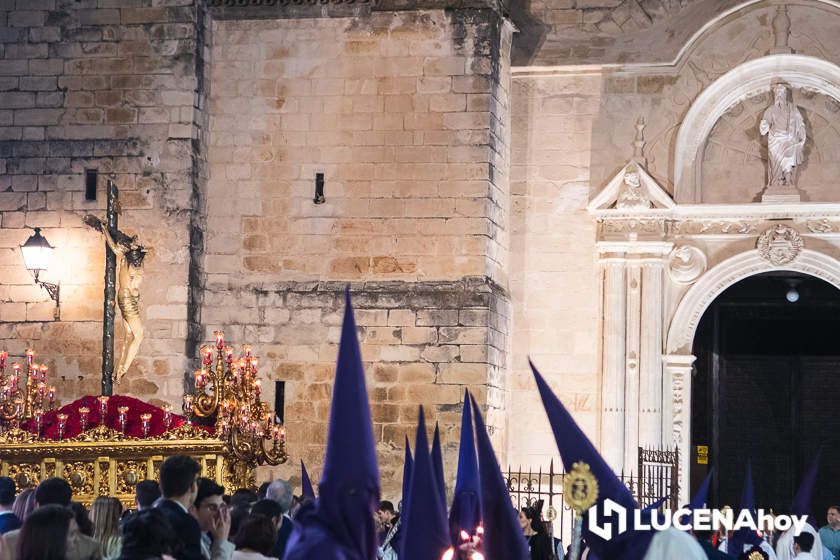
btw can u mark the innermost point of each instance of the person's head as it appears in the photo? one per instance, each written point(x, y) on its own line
point(256, 533)
point(240, 514)
point(105, 512)
point(780, 93)
point(54, 491)
point(833, 515)
point(146, 534)
point(703, 535)
point(385, 512)
point(803, 542)
point(7, 492)
point(45, 534)
point(80, 516)
point(524, 520)
point(208, 502)
point(281, 492)
point(24, 503)
point(243, 496)
point(145, 494)
point(178, 478)
point(270, 509)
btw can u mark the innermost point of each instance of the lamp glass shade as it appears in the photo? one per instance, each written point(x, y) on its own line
point(37, 252)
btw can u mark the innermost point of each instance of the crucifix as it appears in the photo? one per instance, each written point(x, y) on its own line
point(122, 286)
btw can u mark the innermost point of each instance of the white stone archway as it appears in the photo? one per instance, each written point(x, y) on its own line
point(744, 81)
point(679, 358)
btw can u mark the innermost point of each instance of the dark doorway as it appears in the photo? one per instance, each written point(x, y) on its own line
point(766, 387)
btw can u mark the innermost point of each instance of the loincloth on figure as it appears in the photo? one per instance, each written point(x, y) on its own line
point(129, 303)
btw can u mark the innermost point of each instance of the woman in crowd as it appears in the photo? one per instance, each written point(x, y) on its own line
point(45, 534)
point(82, 518)
point(147, 535)
point(24, 503)
point(540, 544)
point(255, 538)
point(105, 514)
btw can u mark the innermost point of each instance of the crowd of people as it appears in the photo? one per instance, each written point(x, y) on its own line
point(182, 517)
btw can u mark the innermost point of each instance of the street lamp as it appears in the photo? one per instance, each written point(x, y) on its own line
point(37, 253)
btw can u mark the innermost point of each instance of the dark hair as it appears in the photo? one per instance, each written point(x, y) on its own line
point(243, 496)
point(43, 535)
point(238, 514)
point(146, 492)
point(262, 489)
point(7, 491)
point(268, 508)
point(385, 505)
point(177, 474)
point(703, 534)
point(256, 533)
point(53, 491)
point(146, 533)
point(805, 541)
point(835, 508)
point(80, 514)
point(207, 488)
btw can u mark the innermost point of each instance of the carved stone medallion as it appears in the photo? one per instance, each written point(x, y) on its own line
point(686, 263)
point(780, 244)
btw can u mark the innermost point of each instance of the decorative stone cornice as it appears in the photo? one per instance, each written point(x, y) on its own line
point(291, 9)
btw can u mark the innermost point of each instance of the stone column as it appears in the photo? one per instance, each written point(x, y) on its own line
point(631, 377)
point(613, 379)
point(650, 356)
point(677, 421)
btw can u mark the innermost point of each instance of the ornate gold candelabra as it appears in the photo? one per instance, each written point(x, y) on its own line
point(227, 391)
point(19, 404)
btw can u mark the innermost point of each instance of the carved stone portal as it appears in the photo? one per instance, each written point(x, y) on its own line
point(779, 245)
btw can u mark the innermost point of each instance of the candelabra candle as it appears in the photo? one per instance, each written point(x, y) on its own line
point(30, 355)
point(62, 423)
point(228, 354)
point(3, 357)
point(103, 409)
point(188, 400)
point(123, 416)
point(206, 355)
point(257, 384)
point(167, 416)
point(43, 369)
point(254, 363)
point(42, 391)
point(39, 418)
point(246, 348)
point(52, 398)
point(145, 420)
point(83, 417)
point(220, 339)
point(199, 379)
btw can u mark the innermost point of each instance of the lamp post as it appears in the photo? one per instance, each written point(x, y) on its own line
point(37, 253)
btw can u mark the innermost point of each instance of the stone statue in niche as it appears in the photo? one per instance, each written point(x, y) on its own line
point(632, 194)
point(784, 127)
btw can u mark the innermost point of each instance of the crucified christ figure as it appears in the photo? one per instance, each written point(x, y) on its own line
point(130, 255)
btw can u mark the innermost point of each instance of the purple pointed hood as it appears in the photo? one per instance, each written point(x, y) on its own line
point(466, 502)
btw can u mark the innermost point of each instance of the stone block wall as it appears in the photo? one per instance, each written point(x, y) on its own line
point(109, 85)
point(407, 115)
point(422, 344)
point(554, 278)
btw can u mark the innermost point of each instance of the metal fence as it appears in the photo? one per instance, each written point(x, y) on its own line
point(657, 479)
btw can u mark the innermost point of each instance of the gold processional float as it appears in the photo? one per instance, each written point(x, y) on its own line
point(105, 445)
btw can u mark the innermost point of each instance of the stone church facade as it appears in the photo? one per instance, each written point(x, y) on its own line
point(478, 162)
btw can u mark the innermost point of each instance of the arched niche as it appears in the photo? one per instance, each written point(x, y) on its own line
point(742, 82)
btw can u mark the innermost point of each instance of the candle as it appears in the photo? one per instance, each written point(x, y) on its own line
point(206, 355)
point(228, 354)
point(52, 397)
point(199, 379)
point(103, 408)
point(246, 348)
point(123, 416)
point(39, 418)
point(254, 363)
point(62, 423)
point(43, 369)
point(3, 356)
point(188, 400)
point(83, 416)
point(220, 339)
point(30, 355)
point(145, 418)
point(167, 415)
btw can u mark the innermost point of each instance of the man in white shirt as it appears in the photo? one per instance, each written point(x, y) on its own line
point(802, 545)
